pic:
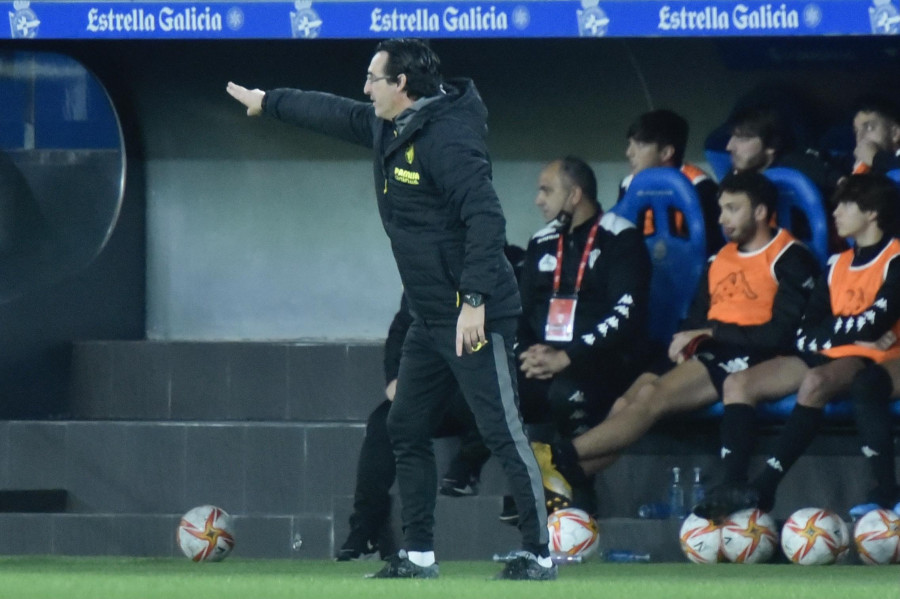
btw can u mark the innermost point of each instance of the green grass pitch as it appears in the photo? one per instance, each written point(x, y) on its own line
point(139, 578)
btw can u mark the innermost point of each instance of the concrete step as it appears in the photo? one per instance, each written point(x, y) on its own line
point(269, 381)
point(286, 468)
point(466, 529)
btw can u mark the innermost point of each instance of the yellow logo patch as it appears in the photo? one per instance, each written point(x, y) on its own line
point(405, 176)
point(410, 154)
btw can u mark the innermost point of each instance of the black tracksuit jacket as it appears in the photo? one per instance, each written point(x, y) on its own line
point(435, 197)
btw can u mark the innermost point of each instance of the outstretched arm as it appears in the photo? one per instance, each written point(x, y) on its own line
point(251, 98)
point(317, 111)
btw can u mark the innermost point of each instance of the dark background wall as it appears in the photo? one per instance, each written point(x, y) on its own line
point(244, 229)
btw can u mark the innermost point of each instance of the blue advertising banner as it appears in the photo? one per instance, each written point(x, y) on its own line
point(526, 19)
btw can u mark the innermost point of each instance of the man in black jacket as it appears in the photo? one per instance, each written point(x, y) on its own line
point(447, 231)
point(585, 293)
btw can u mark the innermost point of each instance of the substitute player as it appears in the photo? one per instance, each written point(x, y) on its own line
point(851, 322)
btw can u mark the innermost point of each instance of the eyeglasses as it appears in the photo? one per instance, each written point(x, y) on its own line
point(371, 79)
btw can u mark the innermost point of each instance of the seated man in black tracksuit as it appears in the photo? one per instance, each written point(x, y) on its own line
point(585, 289)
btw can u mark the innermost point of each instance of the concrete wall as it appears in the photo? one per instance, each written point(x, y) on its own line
point(245, 229)
point(256, 230)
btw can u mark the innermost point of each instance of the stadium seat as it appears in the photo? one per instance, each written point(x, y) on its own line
point(894, 175)
point(895, 407)
point(777, 410)
point(719, 162)
point(678, 260)
point(797, 193)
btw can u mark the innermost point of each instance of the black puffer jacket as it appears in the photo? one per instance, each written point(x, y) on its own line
point(435, 197)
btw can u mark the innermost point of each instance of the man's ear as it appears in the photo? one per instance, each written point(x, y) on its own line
point(761, 214)
point(401, 82)
point(577, 196)
point(895, 135)
point(667, 153)
point(871, 216)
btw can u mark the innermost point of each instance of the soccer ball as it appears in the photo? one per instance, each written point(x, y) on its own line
point(205, 534)
point(701, 540)
point(814, 537)
point(749, 537)
point(877, 536)
point(573, 532)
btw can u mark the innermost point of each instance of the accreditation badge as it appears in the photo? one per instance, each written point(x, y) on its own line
point(561, 318)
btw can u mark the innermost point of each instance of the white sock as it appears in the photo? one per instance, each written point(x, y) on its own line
point(423, 559)
point(545, 562)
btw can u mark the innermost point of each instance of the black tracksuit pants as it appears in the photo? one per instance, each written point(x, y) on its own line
point(487, 379)
point(376, 470)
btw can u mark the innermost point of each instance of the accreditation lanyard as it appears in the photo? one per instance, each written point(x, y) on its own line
point(561, 315)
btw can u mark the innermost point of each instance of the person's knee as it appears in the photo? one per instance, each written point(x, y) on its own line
point(649, 403)
point(643, 387)
point(735, 389)
point(871, 384)
point(815, 389)
point(402, 429)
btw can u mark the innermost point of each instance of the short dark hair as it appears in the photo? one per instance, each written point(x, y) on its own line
point(765, 122)
point(415, 59)
point(875, 193)
point(664, 128)
point(881, 105)
point(757, 186)
point(579, 173)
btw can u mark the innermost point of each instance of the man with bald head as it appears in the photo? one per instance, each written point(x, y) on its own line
point(585, 292)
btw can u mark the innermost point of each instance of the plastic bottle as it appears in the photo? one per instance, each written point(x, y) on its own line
point(676, 495)
point(697, 490)
point(654, 511)
point(562, 560)
point(624, 556)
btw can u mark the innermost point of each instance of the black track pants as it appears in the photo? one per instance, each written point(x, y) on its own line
point(487, 378)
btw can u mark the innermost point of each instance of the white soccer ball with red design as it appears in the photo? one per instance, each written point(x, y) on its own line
point(749, 537)
point(877, 537)
point(206, 534)
point(573, 532)
point(701, 540)
point(814, 537)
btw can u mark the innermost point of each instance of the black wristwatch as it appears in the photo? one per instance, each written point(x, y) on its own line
point(473, 299)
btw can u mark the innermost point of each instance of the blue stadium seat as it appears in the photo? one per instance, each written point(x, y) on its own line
point(777, 410)
point(894, 175)
point(719, 162)
point(797, 192)
point(895, 407)
point(678, 261)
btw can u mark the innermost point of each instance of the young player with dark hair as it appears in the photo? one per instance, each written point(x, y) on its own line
point(851, 322)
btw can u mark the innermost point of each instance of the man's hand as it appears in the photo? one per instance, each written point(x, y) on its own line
point(391, 390)
point(883, 343)
point(543, 362)
point(865, 151)
point(251, 98)
point(680, 340)
point(470, 329)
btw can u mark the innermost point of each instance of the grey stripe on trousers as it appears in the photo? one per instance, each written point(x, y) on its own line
point(514, 425)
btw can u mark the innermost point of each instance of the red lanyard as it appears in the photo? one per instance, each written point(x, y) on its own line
point(557, 274)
